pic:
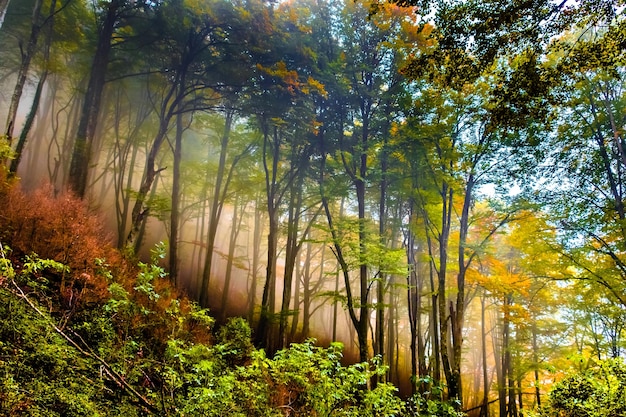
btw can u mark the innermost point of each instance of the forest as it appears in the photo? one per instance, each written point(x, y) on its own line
point(313, 207)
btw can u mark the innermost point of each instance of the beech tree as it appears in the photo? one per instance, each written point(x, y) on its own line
point(110, 15)
point(358, 126)
point(27, 56)
point(286, 80)
point(185, 81)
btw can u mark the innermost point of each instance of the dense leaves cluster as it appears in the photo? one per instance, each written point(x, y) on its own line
point(596, 392)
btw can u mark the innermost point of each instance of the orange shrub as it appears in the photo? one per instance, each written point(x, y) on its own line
point(59, 228)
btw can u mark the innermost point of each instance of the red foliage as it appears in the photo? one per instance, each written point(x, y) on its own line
point(59, 228)
point(62, 228)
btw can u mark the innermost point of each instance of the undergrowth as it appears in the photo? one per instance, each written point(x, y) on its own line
point(85, 332)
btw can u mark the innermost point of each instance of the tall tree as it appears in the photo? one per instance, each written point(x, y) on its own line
point(19, 148)
point(27, 56)
point(231, 154)
point(286, 80)
point(186, 79)
point(109, 16)
point(589, 150)
point(369, 69)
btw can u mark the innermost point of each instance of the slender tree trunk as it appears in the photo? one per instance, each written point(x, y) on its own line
point(296, 290)
point(172, 102)
point(217, 205)
point(512, 409)
point(4, 6)
point(200, 232)
point(435, 317)
point(273, 202)
point(382, 282)
point(60, 147)
point(140, 209)
point(234, 234)
point(19, 149)
point(445, 319)
point(28, 123)
point(360, 323)
point(434, 364)
point(413, 302)
point(392, 328)
point(291, 254)
point(123, 195)
point(306, 305)
point(536, 364)
point(22, 73)
point(256, 257)
point(337, 275)
point(520, 397)
point(484, 412)
point(505, 358)
point(458, 311)
point(176, 190)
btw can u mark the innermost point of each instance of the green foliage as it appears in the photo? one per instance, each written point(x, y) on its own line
point(313, 379)
point(429, 403)
point(235, 343)
point(142, 352)
point(149, 272)
point(6, 152)
point(596, 392)
point(41, 375)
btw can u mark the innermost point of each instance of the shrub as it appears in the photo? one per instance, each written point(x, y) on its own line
point(596, 392)
point(58, 228)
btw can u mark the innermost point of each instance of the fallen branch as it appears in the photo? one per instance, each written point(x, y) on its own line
point(87, 351)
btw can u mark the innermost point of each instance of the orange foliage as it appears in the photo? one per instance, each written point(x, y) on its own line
point(62, 228)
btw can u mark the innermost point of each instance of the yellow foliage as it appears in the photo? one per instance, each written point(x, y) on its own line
point(317, 86)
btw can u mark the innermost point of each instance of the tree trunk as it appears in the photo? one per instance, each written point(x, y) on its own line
point(364, 309)
point(140, 209)
point(273, 202)
point(4, 6)
point(413, 300)
point(296, 290)
point(217, 205)
point(291, 254)
point(435, 317)
point(81, 154)
point(458, 314)
point(19, 149)
point(536, 364)
point(60, 147)
point(176, 190)
point(337, 275)
point(484, 412)
point(123, 194)
point(235, 228)
point(172, 102)
point(445, 317)
point(256, 258)
point(392, 330)
point(382, 282)
point(505, 358)
point(22, 73)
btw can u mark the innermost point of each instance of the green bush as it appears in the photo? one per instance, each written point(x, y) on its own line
point(596, 392)
point(140, 352)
